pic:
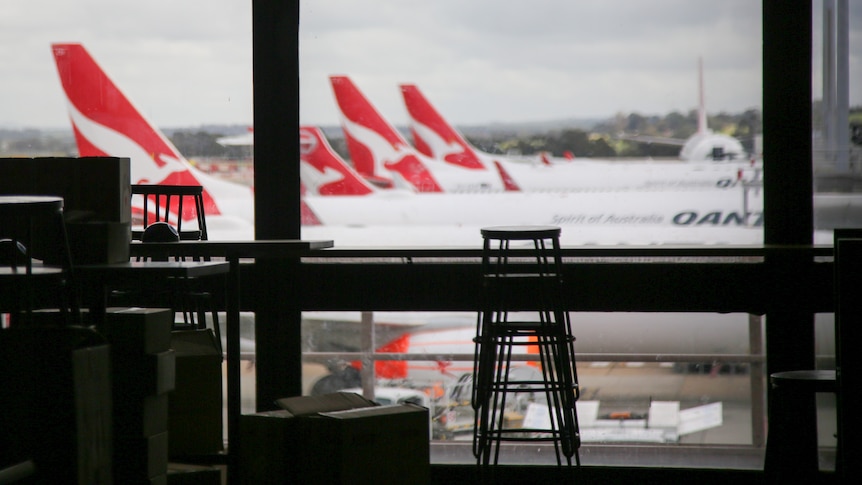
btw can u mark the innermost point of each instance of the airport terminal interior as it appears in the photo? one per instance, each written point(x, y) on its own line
point(719, 319)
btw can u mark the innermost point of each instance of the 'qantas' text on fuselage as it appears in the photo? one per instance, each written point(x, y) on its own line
point(718, 218)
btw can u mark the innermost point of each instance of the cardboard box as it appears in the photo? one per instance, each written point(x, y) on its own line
point(140, 417)
point(55, 396)
point(142, 458)
point(138, 331)
point(311, 405)
point(195, 405)
point(96, 194)
point(93, 188)
point(97, 242)
point(367, 444)
point(143, 375)
point(185, 474)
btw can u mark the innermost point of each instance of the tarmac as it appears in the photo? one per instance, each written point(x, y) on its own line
point(629, 387)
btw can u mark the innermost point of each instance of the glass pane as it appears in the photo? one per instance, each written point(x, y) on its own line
point(836, 114)
point(158, 82)
point(702, 371)
point(623, 122)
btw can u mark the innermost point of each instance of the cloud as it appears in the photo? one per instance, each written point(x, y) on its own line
point(188, 62)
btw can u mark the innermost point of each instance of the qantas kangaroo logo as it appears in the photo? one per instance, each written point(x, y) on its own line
point(434, 137)
point(438, 146)
point(106, 123)
point(107, 141)
point(394, 157)
point(322, 171)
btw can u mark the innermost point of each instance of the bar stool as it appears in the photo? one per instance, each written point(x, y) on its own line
point(532, 274)
point(792, 448)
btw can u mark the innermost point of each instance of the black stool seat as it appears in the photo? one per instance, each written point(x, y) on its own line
point(792, 449)
point(805, 380)
point(521, 233)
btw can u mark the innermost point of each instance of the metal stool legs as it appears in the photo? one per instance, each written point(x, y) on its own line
point(501, 332)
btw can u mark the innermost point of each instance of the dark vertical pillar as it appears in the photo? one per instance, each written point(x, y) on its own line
point(788, 210)
point(788, 213)
point(276, 180)
point(787, 174)
point(848, 314)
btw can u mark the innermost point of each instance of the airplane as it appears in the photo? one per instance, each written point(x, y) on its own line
point(704, 144)
point(322, 171)
point(243, 140)
point(379, 151)
point(339, 196)
point(106, 123)
point(435, 137)
point(109, 125)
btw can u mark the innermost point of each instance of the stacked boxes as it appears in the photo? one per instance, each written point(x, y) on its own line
point(55, 397)
point(144, 375)
point(96, 194)
point(195, 408)
point(315, 442)
point(92, 188)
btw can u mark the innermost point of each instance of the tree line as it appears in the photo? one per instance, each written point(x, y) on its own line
point(602, 140)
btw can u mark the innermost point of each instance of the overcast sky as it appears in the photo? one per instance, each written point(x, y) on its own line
point(188, 62)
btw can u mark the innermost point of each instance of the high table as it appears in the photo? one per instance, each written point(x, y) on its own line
point(140, 273)
point(232, 251)
point(27, 219)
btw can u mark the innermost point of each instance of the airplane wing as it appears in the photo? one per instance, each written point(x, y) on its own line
point(658, 140)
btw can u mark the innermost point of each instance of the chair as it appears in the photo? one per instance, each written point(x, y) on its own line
point(499, 333)
point(163, 210)
point(167, 203)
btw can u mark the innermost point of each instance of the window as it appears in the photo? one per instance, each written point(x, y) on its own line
point(574, 114)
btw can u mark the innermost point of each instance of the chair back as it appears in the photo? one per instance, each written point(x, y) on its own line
point(178, 205)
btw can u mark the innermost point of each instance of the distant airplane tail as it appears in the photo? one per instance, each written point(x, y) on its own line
point(322, 171)
point(307, 216)
point(376, 148)
point(433, 135)
point(436, 138)
point(702, 124)
point(105, 123)
point(509, 183)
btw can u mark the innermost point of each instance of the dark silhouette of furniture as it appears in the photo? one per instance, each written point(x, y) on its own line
point(233, 252)
point(166, 214)
point(508, 271)
point(792, 451)
point(36, 268)
point(171, 204)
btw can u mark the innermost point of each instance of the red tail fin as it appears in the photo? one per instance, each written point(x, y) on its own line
point(393, 369)
point(508, 182)
point(322, 171)
point(106, 123)
point(433, 136)
point(375, 146)
point(307, 216)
